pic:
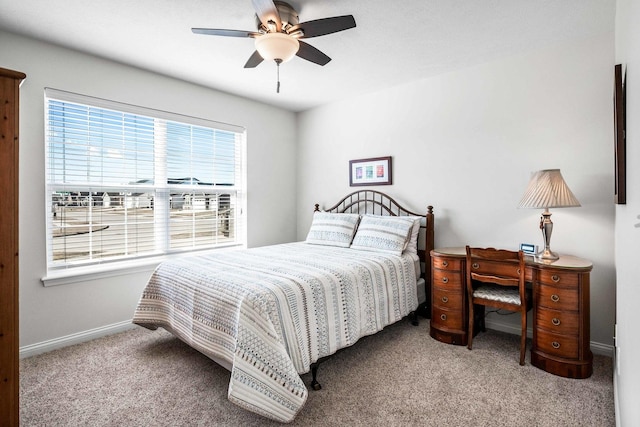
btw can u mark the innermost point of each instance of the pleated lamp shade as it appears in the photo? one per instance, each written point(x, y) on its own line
point(547, 189)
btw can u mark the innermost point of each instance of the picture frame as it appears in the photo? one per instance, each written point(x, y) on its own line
point(620, 147)
point(529, 248)
point(373, 171)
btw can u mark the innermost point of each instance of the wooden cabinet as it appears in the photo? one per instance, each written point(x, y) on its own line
point(561, 322)
point(560, 319)
point(448, 310)
point(9, 338)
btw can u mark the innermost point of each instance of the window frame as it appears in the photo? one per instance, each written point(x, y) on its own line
point(107, 267)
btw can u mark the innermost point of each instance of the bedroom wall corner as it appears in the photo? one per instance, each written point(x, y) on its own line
point(627, 225)
point(466, 143)
point(70, 310)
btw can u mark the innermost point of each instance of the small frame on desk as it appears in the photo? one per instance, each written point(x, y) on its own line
point(529, 248)
point(374, 171)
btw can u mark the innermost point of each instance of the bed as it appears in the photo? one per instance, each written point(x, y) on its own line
point(272, 313)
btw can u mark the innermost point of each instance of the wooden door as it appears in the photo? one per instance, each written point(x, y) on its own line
point(9, 337)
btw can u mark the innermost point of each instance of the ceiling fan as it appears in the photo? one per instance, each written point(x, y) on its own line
point(279, 34)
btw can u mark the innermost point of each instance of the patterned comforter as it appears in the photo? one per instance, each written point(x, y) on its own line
point(271, 312)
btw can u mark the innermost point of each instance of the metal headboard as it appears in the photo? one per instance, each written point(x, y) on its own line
point(377, 203)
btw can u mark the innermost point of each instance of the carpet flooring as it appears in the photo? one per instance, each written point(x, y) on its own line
point(400, 376)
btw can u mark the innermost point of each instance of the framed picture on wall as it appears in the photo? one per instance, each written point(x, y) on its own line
point(620, 145)
point(374, 171)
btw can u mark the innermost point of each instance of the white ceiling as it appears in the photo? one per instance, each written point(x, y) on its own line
point(394, 42)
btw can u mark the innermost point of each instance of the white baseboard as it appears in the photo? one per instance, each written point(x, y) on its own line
point(77, 338)
point(616, 399)
point(596, 347)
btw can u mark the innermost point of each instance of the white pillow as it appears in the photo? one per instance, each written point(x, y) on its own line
point(412, 247)
point(388, 234)
point(333, 229)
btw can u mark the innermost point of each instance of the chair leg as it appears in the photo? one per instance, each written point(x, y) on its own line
point(481, 316)
point(523, 336)
point(470, 330)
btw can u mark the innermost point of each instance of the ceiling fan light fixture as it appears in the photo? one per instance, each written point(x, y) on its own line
point(272, 46)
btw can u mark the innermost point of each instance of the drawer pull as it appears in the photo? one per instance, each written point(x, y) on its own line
point(443, 317)
point(475, 265)
point(445, 280)
point(555, 345)
point(518, 271)
point(555, 298)
point(445, 299)
point(555, 321)
point(445, 263)
point(555, 278)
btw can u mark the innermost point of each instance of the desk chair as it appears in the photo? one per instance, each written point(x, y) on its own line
point(495, 278)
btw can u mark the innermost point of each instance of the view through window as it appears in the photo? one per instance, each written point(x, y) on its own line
point(125, 182)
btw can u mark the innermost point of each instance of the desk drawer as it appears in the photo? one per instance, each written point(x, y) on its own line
point(565, 346)
point(559, 322)
point(503, 268)
point(558, 279)
point(447, 319)
point(450, 299)
point(557, 298)
point(447, 263)
point(447, 279)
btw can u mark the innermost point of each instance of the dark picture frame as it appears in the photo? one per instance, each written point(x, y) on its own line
point(373, 171)
point(620, 145)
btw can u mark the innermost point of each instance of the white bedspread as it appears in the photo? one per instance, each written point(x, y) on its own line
point(272, 311)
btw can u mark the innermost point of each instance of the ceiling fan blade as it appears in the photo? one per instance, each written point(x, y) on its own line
point(320, 27)
point(254, 60)
point(226, 33)
point(312, 54)
point(267, 13)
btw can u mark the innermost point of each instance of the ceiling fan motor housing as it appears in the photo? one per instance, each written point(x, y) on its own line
point(288, 17)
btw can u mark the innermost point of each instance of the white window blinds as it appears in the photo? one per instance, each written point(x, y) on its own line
point(126, 182)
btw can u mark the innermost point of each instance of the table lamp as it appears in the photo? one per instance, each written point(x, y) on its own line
point(547, 189)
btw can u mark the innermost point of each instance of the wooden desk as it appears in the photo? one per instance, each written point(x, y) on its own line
point(560, 320)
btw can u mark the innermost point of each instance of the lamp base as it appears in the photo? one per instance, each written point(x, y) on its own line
point(547, 255)
point(547, 227)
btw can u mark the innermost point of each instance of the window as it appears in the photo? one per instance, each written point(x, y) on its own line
point(126, 182)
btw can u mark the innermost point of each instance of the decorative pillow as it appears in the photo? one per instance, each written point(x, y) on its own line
point(388, 234)
point(333, 229)
point(412, 247)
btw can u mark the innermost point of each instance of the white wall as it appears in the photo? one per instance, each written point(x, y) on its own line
point(466, 143)
point(62, 311)
point(627, 373)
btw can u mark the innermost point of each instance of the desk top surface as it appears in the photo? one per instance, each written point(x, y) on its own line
point(565, 261)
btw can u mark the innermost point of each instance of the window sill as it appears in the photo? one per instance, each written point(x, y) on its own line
point(97, 272)
point(82, 274)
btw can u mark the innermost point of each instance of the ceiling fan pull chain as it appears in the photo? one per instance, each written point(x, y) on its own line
point(278, 61)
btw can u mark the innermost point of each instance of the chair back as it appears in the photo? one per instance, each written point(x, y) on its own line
point(496, 266)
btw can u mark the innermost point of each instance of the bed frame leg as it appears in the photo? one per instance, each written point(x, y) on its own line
point(314, 372)
point(413, 316)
